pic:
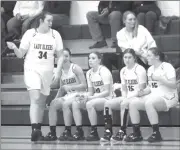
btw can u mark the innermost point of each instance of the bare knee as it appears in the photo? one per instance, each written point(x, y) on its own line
point(91, 15)
point(55, 104)
point(89, 105)
point(75, 105)
point(148, 104)
point(66, 105)
point(151, 14)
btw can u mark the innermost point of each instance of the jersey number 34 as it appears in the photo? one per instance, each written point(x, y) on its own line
point(42, 55)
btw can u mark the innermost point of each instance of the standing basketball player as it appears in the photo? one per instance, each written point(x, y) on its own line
point(133, 78)
point(72, 82)
point(39, 45)
point(100, 84)
point(160, 95)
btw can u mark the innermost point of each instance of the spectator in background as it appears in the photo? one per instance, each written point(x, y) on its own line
point(6, 14)
point(147, 13)
point(60, 11)
point(109, 12)
point(136, 37)
point(24, 12)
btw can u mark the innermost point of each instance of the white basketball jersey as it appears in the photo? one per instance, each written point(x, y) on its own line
point(95, 79)
point(132, 79)
point(41, 48)
point(165, 71)
point(69, 78)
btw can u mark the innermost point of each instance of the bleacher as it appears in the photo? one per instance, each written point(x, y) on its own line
point(14, 96)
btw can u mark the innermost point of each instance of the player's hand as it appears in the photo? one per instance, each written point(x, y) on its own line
point(116, 86)
point(18, 16)
point(11, 45)
point(155, 77)
point(56, 78)
point(140, 93)
point(81, 98)
point(104, 13)
point(24, 17)
point(67, 88)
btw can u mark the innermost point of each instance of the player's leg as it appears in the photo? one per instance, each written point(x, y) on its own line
point(67, 115)
point(124, 114)
point(135, 106)
point(92, 107)
point(153, 106)
point(113, 104)
point(37, 107)
point(55, 105)
point(77, 115)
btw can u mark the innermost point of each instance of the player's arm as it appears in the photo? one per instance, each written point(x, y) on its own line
point(89, 83)
point(80, 75)
point(106, 78)
point(147, 89)
point(123, 84)
point(59, 53)
point(61, 91)
point(141, 73)
point(170, 74)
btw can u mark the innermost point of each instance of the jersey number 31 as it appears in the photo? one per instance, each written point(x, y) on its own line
point(42, 55)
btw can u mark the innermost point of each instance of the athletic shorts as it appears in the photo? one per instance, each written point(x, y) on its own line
point(38, 80)
point(171, 99)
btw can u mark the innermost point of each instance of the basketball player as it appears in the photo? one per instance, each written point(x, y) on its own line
point(39, 45)
point(100, 84)
point(72, 82)
point(160, 95)
point(133, 78)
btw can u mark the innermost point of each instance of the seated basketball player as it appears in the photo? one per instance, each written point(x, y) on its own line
point(133, 78)
point(160, 95)
point(100, 84)
point(72, 82)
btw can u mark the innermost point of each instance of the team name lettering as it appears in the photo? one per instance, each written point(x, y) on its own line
point(98, 83)
point(131, 82)
point(69, 81)
point(43, 47)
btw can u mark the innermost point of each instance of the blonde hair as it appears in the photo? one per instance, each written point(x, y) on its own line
point(135, 30)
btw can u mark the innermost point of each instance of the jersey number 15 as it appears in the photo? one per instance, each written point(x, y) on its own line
point(42, 55)
point(130, 88)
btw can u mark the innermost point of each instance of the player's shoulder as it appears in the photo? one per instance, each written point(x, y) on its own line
point(104, 70)
point(55, 32)
point(76, 67)
point(30, 31)
point(88, 72)
point(140, 68)
point(166, 64)
point(150, 69)
point(123, 70)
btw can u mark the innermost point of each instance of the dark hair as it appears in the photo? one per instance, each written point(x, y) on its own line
point(68, 50)
point(99, 55)
point(42, 16)
point(131, 51)
point(157, 52)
